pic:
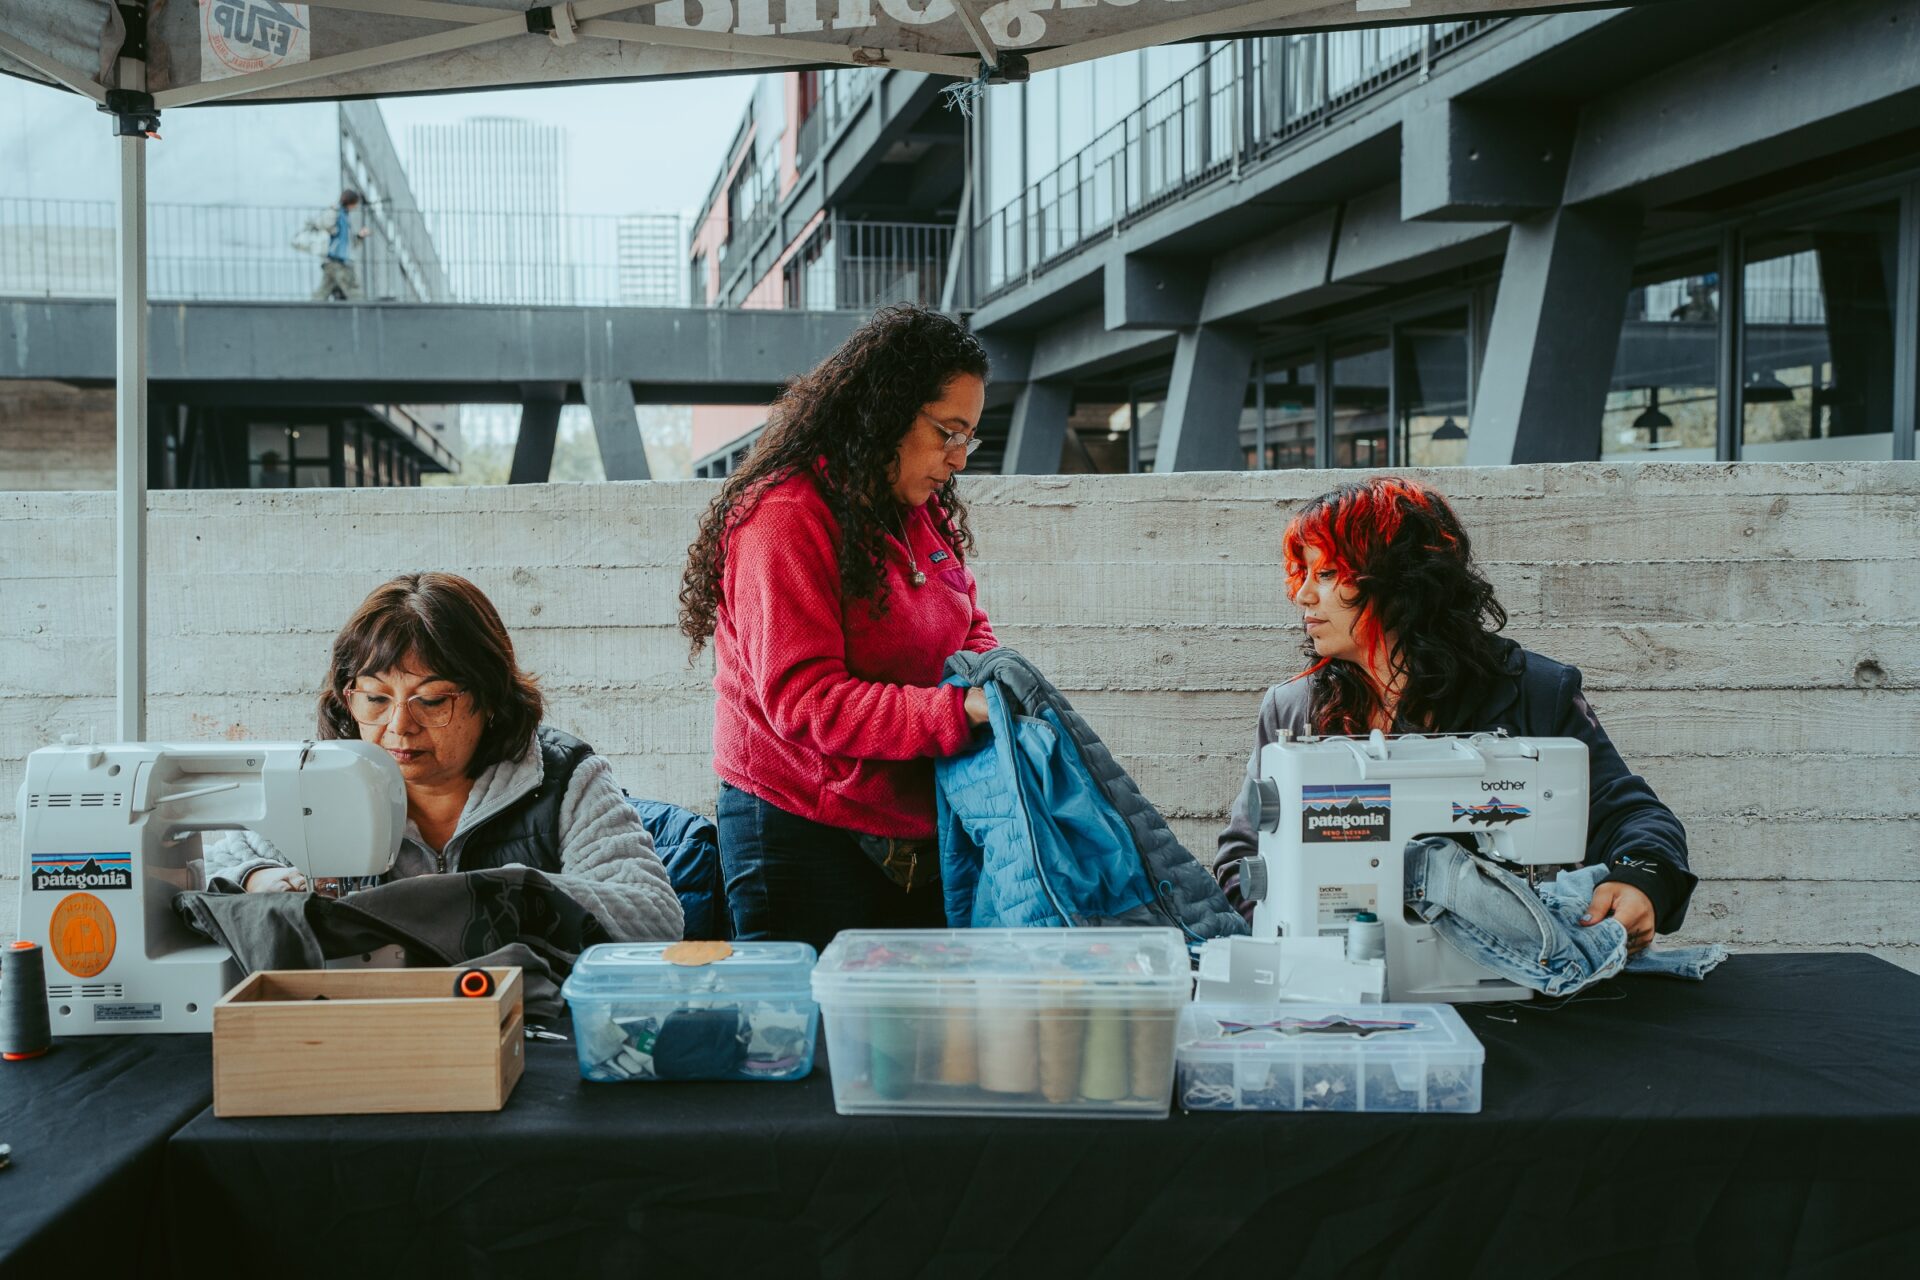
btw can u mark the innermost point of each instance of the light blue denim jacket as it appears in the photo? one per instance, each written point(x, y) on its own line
point(1527, 934)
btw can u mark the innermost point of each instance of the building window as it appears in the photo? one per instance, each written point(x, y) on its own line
point(1361, 369)
point(1430, 390)
point(1289, 413)
point(1817, 339)
point(1096, 439)
point(1664, 398)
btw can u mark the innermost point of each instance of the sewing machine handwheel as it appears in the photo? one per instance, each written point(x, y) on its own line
point(474, 984)
point(1261, 800)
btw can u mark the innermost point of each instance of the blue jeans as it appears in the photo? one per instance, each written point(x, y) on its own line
point(794, 880)
point(1531, 935)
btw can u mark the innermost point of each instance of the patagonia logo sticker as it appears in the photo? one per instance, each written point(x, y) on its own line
point(1491, 812)
point(1337, 815)
point(938, 556)
point(82, 871)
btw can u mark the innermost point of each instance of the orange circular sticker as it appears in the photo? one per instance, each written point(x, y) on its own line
point(695, 954)
point(81, 935)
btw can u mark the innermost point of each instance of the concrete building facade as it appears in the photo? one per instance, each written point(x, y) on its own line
point(1688, 230)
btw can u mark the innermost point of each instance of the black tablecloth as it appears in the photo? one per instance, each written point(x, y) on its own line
point(88, 1124)
point(1763, 1122)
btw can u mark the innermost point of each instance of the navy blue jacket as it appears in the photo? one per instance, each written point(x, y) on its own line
point(1636, 836)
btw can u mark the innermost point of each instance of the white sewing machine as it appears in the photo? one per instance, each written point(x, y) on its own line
point(1335, 815)
point(112, 833)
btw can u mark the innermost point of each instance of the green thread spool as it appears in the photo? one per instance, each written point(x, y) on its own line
point(1103, 1078)
point(892, 1035)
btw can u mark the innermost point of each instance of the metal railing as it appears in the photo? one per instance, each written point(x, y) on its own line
point(857, 266)
point(841, 93)
point(1243, 101)
point(210, 253)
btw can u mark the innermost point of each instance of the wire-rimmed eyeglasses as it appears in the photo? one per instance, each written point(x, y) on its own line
point(955, 439)
point(434, 712)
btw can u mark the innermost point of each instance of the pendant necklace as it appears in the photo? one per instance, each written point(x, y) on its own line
point(915, 574)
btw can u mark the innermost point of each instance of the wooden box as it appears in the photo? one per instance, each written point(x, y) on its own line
point(383, 1040)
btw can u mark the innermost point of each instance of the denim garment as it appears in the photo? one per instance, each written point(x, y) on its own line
point(1531, 936)
point(795, 880)
point(340, 244)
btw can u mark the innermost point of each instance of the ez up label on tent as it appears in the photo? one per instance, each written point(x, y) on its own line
point(239, 37)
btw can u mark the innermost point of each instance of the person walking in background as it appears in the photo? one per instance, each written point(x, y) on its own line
point(338, 279)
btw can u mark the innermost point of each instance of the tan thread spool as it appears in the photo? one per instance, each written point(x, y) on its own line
point(1063, 1037)
point(959, 1051)
point(1150, 1036)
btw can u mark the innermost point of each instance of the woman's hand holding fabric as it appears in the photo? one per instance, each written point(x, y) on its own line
point(1632, 908)
point(276, 880)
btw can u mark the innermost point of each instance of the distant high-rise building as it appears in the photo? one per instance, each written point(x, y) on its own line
point(652, 252)
point(494, 193)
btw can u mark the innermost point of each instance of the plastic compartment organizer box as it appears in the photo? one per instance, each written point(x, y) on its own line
point(693, 1011)
point(1327, 1057)
point(998, 1021)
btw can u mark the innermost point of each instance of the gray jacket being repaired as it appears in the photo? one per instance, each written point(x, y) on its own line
point(555, 808)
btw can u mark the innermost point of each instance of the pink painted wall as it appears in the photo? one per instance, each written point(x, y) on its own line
point(715, 425)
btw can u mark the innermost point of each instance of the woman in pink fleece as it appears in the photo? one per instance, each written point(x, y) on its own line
point(830, 575)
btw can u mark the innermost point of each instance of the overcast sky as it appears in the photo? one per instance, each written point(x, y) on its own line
point(642, 146)
point(649, 145)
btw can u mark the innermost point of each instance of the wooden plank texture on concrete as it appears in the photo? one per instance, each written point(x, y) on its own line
point(1749, 634)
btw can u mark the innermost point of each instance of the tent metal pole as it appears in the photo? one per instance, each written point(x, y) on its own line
point(130, 450)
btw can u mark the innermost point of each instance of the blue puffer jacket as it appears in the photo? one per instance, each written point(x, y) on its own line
point(689, 846)
point(1039, 826)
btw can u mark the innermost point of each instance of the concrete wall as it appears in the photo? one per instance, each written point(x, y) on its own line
point(1750, 636)
point(53, 436)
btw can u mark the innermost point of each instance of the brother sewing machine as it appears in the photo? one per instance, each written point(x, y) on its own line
point(112, 833)
point(1335, 815)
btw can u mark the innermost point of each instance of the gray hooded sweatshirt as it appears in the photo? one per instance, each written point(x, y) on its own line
point(607, 861)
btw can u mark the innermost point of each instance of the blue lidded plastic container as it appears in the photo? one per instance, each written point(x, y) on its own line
point(693, 1011)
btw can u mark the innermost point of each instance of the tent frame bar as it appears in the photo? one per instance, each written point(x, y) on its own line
point(52, 68)
point(797, 52)
point(1224, 24)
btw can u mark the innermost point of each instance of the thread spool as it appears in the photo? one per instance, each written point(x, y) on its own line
point(959, 1054)
point(894, 1036)
point(1104, 1076)
point(24, 1031)
point(1150, 1040)
point(1009, 1050)
point(1366, 937)
point(473, 984)
point(1063, 1035)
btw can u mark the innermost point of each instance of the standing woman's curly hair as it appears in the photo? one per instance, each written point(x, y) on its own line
point(847, 416)
point(1403, 559)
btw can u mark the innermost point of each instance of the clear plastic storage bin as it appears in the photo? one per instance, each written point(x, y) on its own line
point(1001, 1021)
point(1319, 1057)
point(693, 1011)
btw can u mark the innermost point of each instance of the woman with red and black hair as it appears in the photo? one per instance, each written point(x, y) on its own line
point(1402, 636)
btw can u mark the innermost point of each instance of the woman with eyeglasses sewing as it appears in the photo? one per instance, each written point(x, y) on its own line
point(425, 669)
point(830, 575)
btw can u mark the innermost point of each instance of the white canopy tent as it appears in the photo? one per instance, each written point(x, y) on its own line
point(138, 60)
